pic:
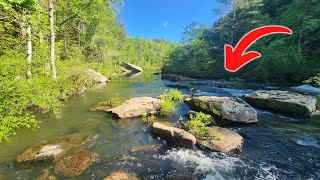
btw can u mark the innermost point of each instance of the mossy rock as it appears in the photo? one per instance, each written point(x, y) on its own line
point(53, 149)
point(224, 109)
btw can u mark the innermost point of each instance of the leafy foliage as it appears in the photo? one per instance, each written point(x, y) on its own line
point(148, 118)
point(198, 125)
point(314, 81)
point(88, 36)
point(168, 98)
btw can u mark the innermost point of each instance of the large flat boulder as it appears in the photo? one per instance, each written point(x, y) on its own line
point(284, 102)
point(136, 107)
point(174, 136)
point(222, 140)
point(75, 164)
point(224, 109)
point(131, 67)
point(53, 149)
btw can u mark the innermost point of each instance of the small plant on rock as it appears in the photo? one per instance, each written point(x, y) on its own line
point(168, 104)
point(198, 125)
point(148, 119)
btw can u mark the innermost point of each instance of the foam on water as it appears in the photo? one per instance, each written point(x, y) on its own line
point(308, 141)
point(217, 165)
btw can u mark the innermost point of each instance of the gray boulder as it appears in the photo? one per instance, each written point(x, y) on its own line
point(284, 102)
point(136, 107)
point(131, 67)
point(224, 109)
point(96, 77)
point(174, 135)
point(222, 140)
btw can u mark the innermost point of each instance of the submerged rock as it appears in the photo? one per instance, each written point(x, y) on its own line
point(52, 150)
point(143, 149)
point(285, 102)
point(222, 140)
point(175, 77)
point(174, 135)
point(224, 109)
point(75, 164)
point(96, 77)
point(121, 175)
point(46, 176)
point(136, 107)
point(179, 86)
point(106, 105)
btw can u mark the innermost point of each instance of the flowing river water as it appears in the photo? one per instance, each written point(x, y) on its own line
point(277, 147)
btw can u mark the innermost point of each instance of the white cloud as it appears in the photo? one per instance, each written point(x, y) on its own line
point(165, 24)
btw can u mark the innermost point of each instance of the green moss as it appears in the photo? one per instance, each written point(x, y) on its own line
point(208, 108)
point(216, 135)
point(214, 110)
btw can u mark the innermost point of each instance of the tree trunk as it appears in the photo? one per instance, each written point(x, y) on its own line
point(52, 40)
point(29, 50)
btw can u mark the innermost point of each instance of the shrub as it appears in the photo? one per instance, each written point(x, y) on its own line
point(314, 81)
point(168, 104)
point(148, 118)
point(198, 125)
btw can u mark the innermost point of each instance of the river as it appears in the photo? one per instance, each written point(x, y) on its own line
point(277, 147)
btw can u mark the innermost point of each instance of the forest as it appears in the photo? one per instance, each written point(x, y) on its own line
point(284, 58)
point(47, 46)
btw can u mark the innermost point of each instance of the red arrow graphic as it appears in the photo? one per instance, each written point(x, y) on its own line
point(236, 58)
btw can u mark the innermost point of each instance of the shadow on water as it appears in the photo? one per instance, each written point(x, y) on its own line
point(277, 147)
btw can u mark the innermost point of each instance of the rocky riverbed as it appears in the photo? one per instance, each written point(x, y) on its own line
point(252, 142)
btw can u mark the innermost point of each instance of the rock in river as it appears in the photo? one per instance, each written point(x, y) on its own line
point(175, 77)
point(143, 149)
point(222, 140)
point(224, 109)
point(283, 102)
point(46, 175)
point(52, 150)
point(174, 135)
point(131, 67)
point(121, 175)
point(96, 77)
point(75, 164)
point(136, 107)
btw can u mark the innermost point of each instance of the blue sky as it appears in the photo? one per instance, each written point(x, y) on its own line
point(165, 19)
